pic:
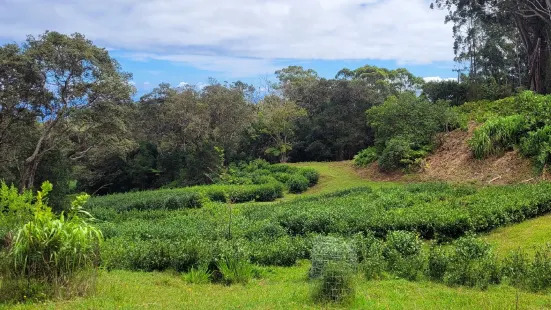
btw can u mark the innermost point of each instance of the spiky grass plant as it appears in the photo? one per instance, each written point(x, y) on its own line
point(50, 256)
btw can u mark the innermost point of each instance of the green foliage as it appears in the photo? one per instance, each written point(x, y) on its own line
point(365, 157)
point(405, 127)
point(440, 211)
point(199, 275)
point(438, 260)
point(187, 197)
point(497, 135)
point(403, 254)
point(47, 251)
point(399, 153)
point(235, 267)
point(336, 284)
point(537, 145)
point(311, 174)
point(472, 263)
point(452, 91)
point(297, 184)
point(533, 275)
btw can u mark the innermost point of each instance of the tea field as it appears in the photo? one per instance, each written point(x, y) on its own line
point(155, 257)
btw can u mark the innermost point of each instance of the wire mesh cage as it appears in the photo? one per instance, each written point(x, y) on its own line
point(334, 263)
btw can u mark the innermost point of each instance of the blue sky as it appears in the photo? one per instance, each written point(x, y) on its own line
point(188, 41)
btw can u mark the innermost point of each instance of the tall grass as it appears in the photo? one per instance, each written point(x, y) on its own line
point(497, 135)
point(49, 255)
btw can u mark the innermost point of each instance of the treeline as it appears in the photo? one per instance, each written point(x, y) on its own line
point(67, 115)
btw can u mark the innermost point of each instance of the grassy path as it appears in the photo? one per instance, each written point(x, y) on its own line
point(335, 176)
point(532, 233)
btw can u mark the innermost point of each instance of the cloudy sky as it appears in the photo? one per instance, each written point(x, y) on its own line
point(187, 41)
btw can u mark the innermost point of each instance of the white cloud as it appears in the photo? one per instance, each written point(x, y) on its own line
point(183, 84)
point(245, 39)
point(438, 79)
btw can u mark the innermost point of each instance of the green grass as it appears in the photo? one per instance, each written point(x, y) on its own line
point(335, 176)
point(283, 288)
point(526, 235)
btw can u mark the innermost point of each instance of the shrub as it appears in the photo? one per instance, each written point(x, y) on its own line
point(365, 157)
point(538, 277)
point(400, 153)
point(403, 254)
point(297, 184)
point(282, 177)
point(373, 263)
point(438, 261)
point(284, 251)
point(538, 146)
point(311, 174)
point(472, 263)
point(336, 284)
point(414, 118)
point(497, 135)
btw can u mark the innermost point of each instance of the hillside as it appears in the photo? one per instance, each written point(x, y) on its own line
point(453, 162)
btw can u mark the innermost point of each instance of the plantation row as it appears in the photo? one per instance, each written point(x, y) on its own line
point(282, 233)
point(256, 181)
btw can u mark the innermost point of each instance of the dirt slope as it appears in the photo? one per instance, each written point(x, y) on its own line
point(453, 161)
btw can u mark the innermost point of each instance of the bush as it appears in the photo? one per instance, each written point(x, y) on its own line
point(365, 157)
point(336, 284)
point(297, 184)
point(497, 135)
point(538, 146)
point(187, 197)
point(373, 262)
point(438, 261)
point(472, 263)
point(311, 174)
point(400, 153)
point(538, 277)
point(403, 254)
point(284, 251)
point(235, 269)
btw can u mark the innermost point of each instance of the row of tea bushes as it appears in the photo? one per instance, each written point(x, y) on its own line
point(432, 210)
point(188, 197)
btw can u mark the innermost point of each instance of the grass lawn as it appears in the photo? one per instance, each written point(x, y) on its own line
point(284, 288)
point(526, 235)
point(335, 176)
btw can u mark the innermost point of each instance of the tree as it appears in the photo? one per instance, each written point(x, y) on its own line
point(277, 117)
point(526, 21)
point(83, 91)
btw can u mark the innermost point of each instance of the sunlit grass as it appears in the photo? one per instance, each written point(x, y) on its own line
point(284, 288)
point(526, 235)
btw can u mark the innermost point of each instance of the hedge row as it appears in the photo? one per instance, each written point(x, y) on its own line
point(189, 197)
point(434, 211)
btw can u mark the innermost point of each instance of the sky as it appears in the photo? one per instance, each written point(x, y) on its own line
point(187, 41)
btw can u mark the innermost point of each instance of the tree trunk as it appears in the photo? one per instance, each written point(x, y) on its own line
point(283, 157)
point(535, 38)
point(29, 171)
